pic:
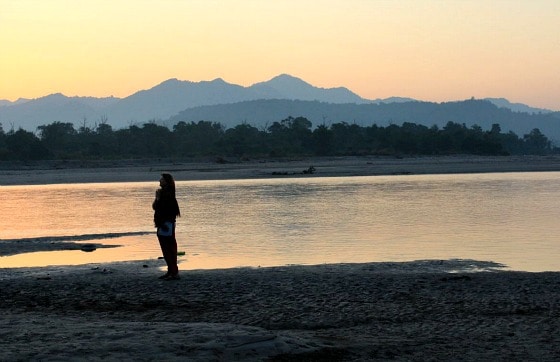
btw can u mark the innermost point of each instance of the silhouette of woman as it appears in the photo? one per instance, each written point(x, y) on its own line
point(166, 211)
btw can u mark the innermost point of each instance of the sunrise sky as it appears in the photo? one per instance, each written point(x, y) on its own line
point(429, 50)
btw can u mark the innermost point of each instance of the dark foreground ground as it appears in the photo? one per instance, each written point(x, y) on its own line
point(414, 311)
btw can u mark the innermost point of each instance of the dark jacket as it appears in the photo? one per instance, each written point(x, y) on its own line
point(166, 208)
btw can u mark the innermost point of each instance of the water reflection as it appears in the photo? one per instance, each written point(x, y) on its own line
point(506, 218)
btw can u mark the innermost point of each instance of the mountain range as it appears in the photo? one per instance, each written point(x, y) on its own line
point(263, 103)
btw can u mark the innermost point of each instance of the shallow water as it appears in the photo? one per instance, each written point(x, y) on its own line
point(509, 218)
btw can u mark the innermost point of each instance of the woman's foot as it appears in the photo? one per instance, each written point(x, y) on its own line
point(164, 276)
point(169, 276)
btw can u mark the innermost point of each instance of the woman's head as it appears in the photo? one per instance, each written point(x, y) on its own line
point(167, 182)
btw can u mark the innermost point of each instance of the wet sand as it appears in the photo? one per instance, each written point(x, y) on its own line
point(415, 311)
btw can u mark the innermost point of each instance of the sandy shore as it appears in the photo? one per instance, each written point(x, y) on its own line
point(415, 311)
point(132, 171)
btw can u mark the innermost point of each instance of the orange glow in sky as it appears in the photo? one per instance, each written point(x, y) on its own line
point(425, 49)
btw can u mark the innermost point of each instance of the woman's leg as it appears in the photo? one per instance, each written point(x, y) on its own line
point(168, 246)
point(172, 263)
point(163, 246)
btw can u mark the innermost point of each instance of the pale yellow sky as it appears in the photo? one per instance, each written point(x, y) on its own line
point(425, 49)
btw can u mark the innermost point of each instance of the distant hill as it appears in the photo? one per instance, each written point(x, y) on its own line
point(287, 87)
point(29, 114)
point(263, 103)
point(4, 102)
point(262, 113)
point(516, 107)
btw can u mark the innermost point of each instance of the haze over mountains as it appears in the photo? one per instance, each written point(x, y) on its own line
point(266, 102)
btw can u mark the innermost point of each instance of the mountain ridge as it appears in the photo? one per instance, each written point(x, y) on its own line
point(162, 101)
point(172, 97)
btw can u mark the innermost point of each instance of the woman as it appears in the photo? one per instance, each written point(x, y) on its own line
point(166, 210)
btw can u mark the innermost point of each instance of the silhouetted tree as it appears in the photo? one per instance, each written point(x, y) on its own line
point(536, 142)
point(60, 138)
point(23, 145)
point(3, 149)
point(194, 139)
point(323, 141)
point(243, 140)
point(349, 139)
point(289, 137)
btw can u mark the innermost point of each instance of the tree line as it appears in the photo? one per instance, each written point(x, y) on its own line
point(286, 138)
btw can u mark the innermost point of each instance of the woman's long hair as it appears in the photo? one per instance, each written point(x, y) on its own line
point(169, 189)
point(169, 183)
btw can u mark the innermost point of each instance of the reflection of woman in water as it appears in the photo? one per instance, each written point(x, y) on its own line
point(166, 210)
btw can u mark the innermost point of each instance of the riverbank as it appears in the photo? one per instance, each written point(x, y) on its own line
point(220, 169)
point(346, 312)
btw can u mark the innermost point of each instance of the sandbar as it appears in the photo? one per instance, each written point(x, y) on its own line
point(57, 172)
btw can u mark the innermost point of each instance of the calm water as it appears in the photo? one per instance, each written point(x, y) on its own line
point(509, 218)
